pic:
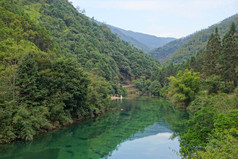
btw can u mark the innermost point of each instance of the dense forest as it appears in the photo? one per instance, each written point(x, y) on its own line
point(58, 66)
point(206, 86)
point(164, 52)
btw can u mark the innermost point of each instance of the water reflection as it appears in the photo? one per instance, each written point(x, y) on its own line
point(155, 143)
point(139, 128)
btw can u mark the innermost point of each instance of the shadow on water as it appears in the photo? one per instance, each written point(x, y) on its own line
point(129, 121)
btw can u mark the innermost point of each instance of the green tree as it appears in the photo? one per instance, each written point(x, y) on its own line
point(155, 88)
point(224, 148)
point(98, 98)
point(27, 82)
point(229, 56)
point(197, 134)
point(211, 135)
point(212, 53)
point(183, 87)
point(72, 84)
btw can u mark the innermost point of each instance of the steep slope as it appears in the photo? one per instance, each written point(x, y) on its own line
point(40, 89)
point(182, 49)
point(149, 40)
point(95, 47)
point(129, 39)
point(198, 40)
point(56, 66)
point(164, 52)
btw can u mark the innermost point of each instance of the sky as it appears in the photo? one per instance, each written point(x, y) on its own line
point(162, 18)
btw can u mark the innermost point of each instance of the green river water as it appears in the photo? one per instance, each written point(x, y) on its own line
point(144, 128)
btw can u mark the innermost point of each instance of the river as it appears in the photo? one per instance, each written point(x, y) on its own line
point(143, 128)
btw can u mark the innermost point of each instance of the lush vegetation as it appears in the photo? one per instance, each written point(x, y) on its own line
point(95, 47)
point(123, 36)
point(184, 87)
point(56, 66)
point(98, 138)
point(212, 98)
point(157, 84)
point(199, 40)
point(164, 52)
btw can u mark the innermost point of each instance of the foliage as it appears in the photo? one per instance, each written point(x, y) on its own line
point(94, 46)
point(213, 121)
point(98, 95)
point(198, 41)
point(183, 49)
point(221, 136)
point(212, 127)
point(217, 63)
point(183, 87)
point(197, 135)
point(164, 52)
point(213, 49)
point(202, 101)
point(56, 66)
point(162, 74)
point(213, 84)
point(155, 88)
point(224, 148)
point(227, 102)
point(110, 130)
point(229, 56)
point(148, 86)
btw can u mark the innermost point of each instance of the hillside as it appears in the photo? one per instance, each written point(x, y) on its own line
point(94, 46)
point(182, 49)
point(129, 39)
point(57, 66)
point(141, 41)
point(164, 52)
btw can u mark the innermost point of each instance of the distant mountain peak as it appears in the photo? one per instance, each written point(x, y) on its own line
point(141, 41)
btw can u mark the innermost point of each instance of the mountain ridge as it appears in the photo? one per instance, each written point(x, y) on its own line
point(182, 49)
point(142, 41)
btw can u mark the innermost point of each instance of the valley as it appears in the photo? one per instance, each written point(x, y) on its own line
point(60, 72)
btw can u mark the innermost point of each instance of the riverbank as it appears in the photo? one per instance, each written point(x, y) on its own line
point(100, 137)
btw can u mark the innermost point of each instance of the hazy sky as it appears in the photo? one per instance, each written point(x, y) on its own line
point(164, 18)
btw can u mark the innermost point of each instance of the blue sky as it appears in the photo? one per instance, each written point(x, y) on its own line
point(163, 18)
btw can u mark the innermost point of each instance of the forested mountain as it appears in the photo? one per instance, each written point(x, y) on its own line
point(164, 52)
point(94, 46)
point(211, 95)
point(207, 86)
point(141, 41)
point(56, 65)
point(126, 38)
point(182, 49)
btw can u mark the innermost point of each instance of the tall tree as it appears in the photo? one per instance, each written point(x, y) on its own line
point(211, 55)
point(229, 56)
point(28, 81)
point(183, 87)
